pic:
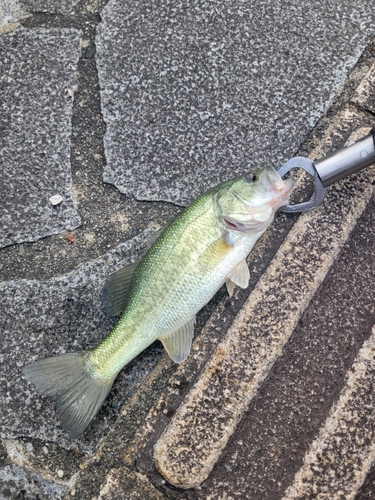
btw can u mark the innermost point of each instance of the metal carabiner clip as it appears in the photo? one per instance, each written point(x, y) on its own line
point(332, 168)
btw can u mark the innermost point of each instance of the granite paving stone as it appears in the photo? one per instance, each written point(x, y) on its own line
point(36, 69)
point(365, 94)
point(194, 92)
point(40, 318)
point(17, 483)
point(12, 11)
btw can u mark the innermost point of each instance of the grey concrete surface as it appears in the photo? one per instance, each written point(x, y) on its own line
point(162, 101)
point(51, 317)
point(13, 11)
point(207, 89)
point(341, 455)
point(36, 67)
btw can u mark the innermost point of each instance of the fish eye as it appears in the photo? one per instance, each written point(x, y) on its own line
point(251, 177)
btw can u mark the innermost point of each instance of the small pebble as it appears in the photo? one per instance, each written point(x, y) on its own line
point(73, 492)
point(56, 199)
point(45, 450)
point(60, 473)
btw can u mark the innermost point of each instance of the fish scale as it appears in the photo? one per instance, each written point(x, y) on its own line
point(204, 247)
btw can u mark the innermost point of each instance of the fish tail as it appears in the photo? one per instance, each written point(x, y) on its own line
point(73, 383)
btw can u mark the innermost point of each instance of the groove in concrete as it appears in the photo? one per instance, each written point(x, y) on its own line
point(339, 458)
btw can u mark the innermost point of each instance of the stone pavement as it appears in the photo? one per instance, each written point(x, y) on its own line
point(126, 111)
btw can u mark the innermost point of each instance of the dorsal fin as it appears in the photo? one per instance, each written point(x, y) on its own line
point(116, 288)
point(154, 236)
point(178, 343)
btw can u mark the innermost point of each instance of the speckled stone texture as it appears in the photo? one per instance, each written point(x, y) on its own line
point(11, 12)
point(341, 455)
point(45, 318)
point(15, 482)
point(50, 6)
point(195, 92)
point(122, 483)
point(365, 94)
point(36, 68)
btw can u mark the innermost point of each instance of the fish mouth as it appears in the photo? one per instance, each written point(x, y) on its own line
point(281, 188)
point(245, 226)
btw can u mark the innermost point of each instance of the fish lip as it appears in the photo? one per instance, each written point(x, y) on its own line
point(230, 224)
point(283, 194)
point(277, 182)
point(244, 226)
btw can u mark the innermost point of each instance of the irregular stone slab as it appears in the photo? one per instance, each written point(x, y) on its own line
point(192, 443)
point(192, 96)
point(339, 458)
point(14, 480)
point(122, 483)
point(50, 6)
point(49, 461)
point(12, 11)
point(365, 93)
point(41, 318)
point(36, 68)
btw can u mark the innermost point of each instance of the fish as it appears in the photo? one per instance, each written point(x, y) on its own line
point(158, 297)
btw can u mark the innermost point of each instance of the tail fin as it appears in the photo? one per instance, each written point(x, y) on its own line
point(68, 380)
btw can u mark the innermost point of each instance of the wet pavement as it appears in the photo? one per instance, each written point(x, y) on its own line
point(116, 115)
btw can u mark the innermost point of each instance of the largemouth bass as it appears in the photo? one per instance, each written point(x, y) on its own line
point(203, 248)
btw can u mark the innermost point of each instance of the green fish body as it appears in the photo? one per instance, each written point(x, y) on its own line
point(203, 248)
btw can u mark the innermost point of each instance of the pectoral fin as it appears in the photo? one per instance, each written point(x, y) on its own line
point(178, 343)
point(116, 288)
point(238, 276)
point(215, 253)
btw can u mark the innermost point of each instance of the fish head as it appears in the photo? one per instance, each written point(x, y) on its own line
point(249, 202)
